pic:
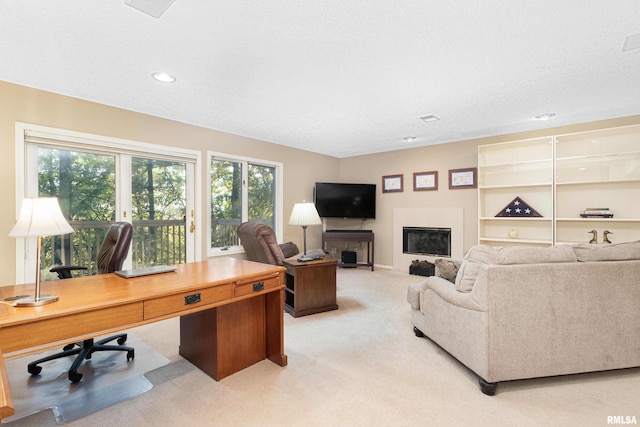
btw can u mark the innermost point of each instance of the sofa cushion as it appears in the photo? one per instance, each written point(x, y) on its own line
point(447, 269)
point(413, 295)
point(480, 254)
point(476, 257)
point(587, 252)
point(508, 255)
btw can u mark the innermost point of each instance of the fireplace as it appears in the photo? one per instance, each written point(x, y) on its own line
point(426, 241)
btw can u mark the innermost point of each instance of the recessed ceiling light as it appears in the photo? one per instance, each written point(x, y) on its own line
point(163, 77)
point(430, 118)
point(545, 116)
point(409, 138)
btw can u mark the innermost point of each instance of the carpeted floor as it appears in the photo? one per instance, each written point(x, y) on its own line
point(360, 365)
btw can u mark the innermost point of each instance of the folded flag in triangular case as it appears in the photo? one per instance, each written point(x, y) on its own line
point(518, 207)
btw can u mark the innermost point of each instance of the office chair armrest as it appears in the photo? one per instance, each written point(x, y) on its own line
point(64, 271)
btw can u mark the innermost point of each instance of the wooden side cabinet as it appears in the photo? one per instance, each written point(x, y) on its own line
point(310, 286)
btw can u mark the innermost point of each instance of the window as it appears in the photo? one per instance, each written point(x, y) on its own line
point(98, 180)
point(242, 190)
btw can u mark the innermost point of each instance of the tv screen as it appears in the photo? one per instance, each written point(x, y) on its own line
point(335, 200)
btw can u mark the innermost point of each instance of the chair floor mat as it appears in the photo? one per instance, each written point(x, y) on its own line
point(107, 378)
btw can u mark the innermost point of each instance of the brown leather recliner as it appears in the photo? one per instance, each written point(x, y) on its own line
point(260, 244)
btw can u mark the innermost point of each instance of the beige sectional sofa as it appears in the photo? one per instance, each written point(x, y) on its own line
point(524, 312)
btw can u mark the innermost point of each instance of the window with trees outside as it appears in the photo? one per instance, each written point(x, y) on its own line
point(242, 190)
point(100, 180)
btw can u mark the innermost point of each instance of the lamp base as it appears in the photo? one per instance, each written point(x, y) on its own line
point(306, 258)
point(32, 302)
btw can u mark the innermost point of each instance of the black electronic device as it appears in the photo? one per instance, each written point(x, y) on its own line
point(342, 200)
point(349, 258)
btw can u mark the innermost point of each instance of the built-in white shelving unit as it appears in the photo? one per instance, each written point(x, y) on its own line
point(560, 177)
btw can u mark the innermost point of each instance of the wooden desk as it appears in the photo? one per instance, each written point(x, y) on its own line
point(231, 314)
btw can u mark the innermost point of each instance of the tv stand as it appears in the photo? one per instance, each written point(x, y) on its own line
point(352, 236)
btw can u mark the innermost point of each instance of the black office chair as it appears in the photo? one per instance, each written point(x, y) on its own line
point(111, 256)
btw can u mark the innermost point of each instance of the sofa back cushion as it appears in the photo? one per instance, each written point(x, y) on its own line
point(607, 252)
point(480, 255)
point(477, 256)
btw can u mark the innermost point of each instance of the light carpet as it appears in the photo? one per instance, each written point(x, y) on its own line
point(106, 379)
point(360, 365)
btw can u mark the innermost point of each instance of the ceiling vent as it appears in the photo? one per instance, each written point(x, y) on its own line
point(155, 8)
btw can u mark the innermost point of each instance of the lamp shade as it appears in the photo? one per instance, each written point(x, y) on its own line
point(40, 216)
point(304, 214)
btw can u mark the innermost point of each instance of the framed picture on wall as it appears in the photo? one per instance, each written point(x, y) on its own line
point(392, 183)
point(462, 178)
point(425, 181)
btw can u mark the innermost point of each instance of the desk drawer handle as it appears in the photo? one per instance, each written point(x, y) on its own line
point(258, 286)
point(192, 299)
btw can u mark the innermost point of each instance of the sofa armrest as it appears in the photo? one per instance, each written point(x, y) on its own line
point(445, 290)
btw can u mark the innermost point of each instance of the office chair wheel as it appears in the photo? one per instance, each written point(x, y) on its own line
point(75, 377)
point(68, 346)
point(34, 369)
point(130, 355)
point(122, 339)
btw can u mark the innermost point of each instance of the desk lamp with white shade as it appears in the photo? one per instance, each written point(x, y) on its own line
point(39, 217)
point(304, 214)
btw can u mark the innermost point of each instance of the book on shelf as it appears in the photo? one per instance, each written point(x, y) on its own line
point(597, 213)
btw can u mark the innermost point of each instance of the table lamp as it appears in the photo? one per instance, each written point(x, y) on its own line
point(304, 214)
point(39, 217)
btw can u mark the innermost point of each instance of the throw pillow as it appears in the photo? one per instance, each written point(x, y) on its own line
point(447, 269)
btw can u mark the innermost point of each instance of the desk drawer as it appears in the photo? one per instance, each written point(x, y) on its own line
point(176, 303)
point(32, 334)
point(246, 288)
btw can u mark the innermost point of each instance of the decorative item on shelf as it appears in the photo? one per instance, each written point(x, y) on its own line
point(518, 208)
point(513, 234)
point(39, 217)
point(605, 238)
point(597, 213)
point(422, 268)
point(305, 214)
point(594, 239)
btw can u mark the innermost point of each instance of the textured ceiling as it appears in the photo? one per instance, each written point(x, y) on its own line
point(340, 78)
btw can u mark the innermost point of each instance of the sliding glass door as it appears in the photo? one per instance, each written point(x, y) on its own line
point(96, 187)
point(158, 212)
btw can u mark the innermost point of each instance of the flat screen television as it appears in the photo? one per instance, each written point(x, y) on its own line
point(336, 200)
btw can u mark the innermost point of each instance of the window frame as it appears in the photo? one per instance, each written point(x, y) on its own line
point(26, 135)
point(278, 204)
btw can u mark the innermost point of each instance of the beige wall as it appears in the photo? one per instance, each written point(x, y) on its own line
point(301, 168)
point(22, 104)
point(441, 158)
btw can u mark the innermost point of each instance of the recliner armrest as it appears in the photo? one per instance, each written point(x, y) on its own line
point(289, 249)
